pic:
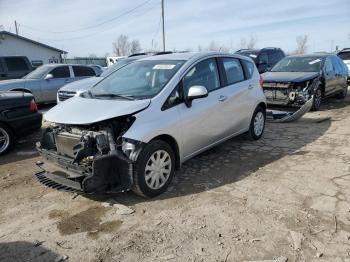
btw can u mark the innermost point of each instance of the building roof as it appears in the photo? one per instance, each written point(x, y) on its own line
point(32, 41)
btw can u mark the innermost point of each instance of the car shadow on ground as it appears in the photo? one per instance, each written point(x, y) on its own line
point(235, 159)
point(26, 251)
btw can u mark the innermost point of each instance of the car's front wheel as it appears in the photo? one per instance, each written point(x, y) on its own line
point(317, 99)
point(154, 169)
point(257, 124)
point(6, 139)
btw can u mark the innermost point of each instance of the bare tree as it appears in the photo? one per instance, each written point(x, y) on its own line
point(213, 46)
point(122, 46)
point(135, 47)
point(92, 55)
point(301, 44)
point(253, 39)
point(199, 48)
point(242, 43)
point(251, 44)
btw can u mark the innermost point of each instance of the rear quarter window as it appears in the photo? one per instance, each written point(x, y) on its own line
point(248, 68)
point(16, 64)
point(83, 71)
point(233, 69)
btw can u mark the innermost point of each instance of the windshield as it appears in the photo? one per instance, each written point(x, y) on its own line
point(299, 64)
point(138, 80)
point(116, 66)
point(38, 73)
point(344, 55)
point(250, 53)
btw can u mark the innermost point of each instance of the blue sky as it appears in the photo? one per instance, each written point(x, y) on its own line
point(189, 23)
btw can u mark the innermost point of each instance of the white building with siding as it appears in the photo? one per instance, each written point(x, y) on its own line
point(16, 45)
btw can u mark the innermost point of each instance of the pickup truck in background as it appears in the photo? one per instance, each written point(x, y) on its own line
point(12, 67)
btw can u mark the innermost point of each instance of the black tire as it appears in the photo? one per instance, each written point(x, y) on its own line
point(252, 135)
point(342, 94)
point(316, 104)
point(6, 133)
point(140, 186)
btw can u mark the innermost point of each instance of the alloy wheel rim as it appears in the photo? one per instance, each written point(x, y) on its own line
point(158, 169)
point(259, 122)
point(4, 140)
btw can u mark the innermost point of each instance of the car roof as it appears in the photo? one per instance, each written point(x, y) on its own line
point(185, 55)
point(60, 64)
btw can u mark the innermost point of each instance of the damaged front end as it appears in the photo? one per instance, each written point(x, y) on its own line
point(89, 159)
point(289, 94)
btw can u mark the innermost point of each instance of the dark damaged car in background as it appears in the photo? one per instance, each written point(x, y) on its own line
point(134, 127)
point(295, 79)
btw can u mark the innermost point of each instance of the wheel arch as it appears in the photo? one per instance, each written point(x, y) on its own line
point(22, 90)
point(171, 141)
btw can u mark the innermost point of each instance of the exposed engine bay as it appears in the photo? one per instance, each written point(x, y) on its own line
point(89, 158)
point(289, 93)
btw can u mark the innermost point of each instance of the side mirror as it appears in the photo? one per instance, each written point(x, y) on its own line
point(195, 92)
point(48, 76)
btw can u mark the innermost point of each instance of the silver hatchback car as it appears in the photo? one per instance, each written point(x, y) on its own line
point(137, 125)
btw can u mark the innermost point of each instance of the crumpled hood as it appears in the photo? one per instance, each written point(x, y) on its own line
point(295, 77)
point(81, 85)
point(84, 111)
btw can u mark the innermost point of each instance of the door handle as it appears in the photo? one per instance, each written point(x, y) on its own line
point(222, 98)
point(67, 81)
point(250, 86)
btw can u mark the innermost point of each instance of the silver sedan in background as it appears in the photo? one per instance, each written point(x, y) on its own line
point(45, 81)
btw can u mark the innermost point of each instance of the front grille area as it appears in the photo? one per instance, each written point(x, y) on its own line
point(64, 95)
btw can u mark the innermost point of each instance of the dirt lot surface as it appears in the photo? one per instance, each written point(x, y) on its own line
point(285, 196)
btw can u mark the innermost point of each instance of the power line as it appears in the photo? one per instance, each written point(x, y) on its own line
point(92, 26)
point(92, 34)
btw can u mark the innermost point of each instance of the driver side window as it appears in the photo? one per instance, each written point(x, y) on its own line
point(263, 59)
point(205, 73)
point(328, 66)
point(60, 72)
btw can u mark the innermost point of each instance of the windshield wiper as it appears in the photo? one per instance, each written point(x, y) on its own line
point(115, 96)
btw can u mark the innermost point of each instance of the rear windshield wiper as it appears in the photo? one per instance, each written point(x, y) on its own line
point(115, 96)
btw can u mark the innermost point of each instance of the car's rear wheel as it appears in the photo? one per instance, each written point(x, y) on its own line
point(257, 124)
point(6, 139)
point(154, 169)
point(317, 99)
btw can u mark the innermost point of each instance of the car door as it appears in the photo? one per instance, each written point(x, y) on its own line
point(81, 72)
point(203, 123)
point(330, 77)
point(340, 75)
point(238, 105)
point(60, 77)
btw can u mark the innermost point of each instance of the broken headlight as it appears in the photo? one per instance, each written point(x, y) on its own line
point(131, 148)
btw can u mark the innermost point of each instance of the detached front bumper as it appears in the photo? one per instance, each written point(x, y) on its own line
point(108, 173)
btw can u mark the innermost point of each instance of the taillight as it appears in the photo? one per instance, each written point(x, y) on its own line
point(261, 81)
point(33, 106)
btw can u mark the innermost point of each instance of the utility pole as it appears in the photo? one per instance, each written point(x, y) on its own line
point(163, 25)
point(16, 26)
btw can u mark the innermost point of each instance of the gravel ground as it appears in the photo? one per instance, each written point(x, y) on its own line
point(285, 196)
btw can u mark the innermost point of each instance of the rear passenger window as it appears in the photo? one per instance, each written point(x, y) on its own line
point(205, 73)
point(1, 68)
point(16, 64)
point(249, 68)
point(60, 72)
point(83, 71)
point(233, 69)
